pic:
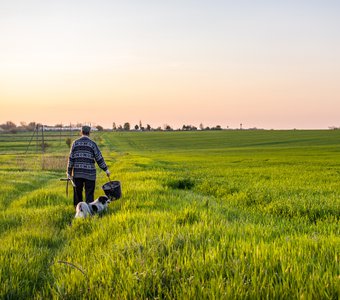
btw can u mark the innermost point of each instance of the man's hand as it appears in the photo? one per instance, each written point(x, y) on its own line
point(69, 176)
point(107, 172)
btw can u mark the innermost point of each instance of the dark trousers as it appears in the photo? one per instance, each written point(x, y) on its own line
point(78, 190)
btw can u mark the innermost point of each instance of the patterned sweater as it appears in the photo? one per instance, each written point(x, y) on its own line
point(84, 153)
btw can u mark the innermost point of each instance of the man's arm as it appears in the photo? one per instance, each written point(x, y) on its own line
point(100, 160)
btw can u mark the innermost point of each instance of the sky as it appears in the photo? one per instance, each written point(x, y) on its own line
point(265, 64)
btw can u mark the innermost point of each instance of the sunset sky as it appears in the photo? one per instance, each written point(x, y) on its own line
point(266, 64)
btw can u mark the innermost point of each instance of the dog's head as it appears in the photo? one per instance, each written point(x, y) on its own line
point(100, 204)
point(104, 200)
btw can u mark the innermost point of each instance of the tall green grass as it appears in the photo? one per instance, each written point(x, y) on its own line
point(212, 215)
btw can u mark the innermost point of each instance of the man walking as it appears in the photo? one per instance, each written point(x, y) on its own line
point(81, 166)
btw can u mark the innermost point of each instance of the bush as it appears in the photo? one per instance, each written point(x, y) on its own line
point(181, 184)
point(68, 142)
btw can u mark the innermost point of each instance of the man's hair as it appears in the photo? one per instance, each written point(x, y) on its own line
point(86, 130)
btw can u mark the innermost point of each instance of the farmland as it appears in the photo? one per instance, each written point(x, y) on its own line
point(204, 215)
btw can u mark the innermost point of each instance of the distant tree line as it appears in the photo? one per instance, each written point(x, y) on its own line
point(166, 127)
point(333, 128)
point(11, 127)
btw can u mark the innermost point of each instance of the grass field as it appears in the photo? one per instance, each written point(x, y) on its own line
point(204, 215)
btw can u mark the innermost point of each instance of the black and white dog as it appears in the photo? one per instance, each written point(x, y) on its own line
point(99, 205)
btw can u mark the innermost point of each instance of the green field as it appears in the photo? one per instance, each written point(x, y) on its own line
point(204, 215)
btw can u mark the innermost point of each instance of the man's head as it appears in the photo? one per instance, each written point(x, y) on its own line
point(85, 130)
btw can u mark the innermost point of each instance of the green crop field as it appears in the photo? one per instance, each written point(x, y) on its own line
point(204, 215)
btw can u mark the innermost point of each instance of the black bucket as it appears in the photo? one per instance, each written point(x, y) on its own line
point(112, 189)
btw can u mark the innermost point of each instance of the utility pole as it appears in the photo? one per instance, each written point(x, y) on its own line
point(37, 138)
point(43, 140)
point(35, 132)
point(60, 129)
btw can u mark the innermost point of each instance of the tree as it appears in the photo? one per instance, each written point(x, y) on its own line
point(167, 127)
point(100, 128)
point(31, 126)
point(136, 127)
point(201, 127)
point(189, 127)
point(148, 127)
point(9, 125)
point(114, 127)
point(127, 126)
